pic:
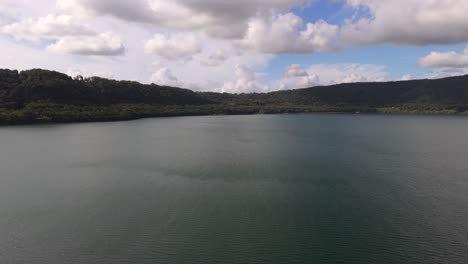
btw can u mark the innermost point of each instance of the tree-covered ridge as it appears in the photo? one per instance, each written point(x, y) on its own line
point(19, 88)
point(448, 91)
point(46, 96)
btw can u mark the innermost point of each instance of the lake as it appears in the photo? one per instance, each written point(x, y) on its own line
point(319, 188)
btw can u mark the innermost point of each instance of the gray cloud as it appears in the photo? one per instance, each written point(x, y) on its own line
point(215, 59)
point(225, 19)
point(135, 10)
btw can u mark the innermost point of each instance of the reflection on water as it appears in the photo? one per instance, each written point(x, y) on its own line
point(242, 189)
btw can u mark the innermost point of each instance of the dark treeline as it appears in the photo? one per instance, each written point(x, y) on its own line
point(19, 88)
point(448, 91)
point(47, 96)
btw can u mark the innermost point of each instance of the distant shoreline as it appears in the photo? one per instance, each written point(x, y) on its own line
point(42, 96)
point(46, 113)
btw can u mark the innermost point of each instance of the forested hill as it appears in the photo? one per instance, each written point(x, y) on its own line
point(47, 96)
point(448, 91)
point(19, 88)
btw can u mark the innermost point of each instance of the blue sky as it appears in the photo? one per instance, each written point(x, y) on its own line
point(331, 11)
point(398, 59)
point(241, 46)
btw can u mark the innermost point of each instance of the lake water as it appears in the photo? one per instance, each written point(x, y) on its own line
point(237, 189)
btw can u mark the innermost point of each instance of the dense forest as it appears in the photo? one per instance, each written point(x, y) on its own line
point(36, 96)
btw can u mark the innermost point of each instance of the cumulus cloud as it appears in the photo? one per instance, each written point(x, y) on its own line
point(329, 74)
point(74, 72)
point(174, 47)
point(282, 34)
point(265, 26)
point(222, 34)
point(407, 22)
point(376, 21)
point(406, 77)
point(445, 59)
point(218, 18)
point(69, 36)
point(164, 76)
point(446, 64)
point(50, 26)
point(446, 72)
point(246, 82)
point(297, 77)
point(105, 44)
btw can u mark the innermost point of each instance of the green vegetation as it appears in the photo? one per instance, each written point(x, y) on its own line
point(44, 112)
point(40, 96)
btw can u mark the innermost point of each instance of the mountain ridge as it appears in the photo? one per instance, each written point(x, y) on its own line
point(38, 95)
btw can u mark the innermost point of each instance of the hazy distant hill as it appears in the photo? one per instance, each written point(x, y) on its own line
point(48, 96)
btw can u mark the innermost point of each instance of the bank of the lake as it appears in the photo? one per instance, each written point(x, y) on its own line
point(40, 112)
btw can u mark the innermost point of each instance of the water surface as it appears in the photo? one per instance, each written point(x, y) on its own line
point(237, 189)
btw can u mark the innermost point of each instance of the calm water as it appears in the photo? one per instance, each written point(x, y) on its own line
point(243, 189)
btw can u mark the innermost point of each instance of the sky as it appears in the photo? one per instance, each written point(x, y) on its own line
point(239, 46)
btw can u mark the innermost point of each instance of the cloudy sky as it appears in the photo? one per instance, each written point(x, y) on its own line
point(238, 45)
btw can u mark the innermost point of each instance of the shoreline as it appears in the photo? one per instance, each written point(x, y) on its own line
point(40, 113)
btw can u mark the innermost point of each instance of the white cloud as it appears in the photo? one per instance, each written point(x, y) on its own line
point(69, 35)
point(219, 35)
point(408, 22)
point(174, 47)
point(282, 34)
point(406, 77)
point(17, 56)
point(74, 72)
point(446, 72)
point(225, 19)
point(105, 44)
point(164, 76)
point(446, 64)
point(50, 26)
point(246, 82)
point(348, 73)
point(445, 59)
point(297, 77)
point(401, 22)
